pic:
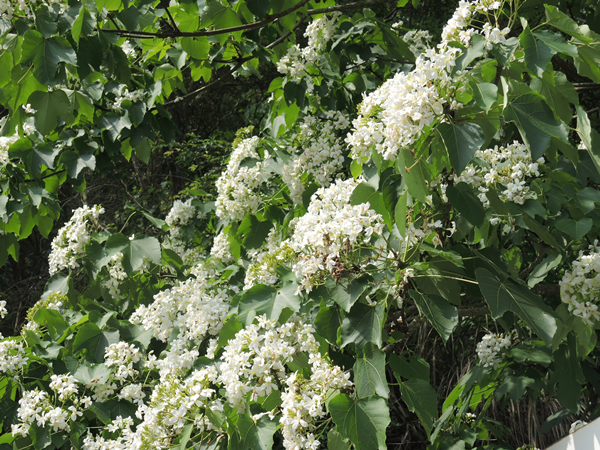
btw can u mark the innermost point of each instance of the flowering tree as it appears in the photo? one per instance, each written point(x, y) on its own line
point(402, 182)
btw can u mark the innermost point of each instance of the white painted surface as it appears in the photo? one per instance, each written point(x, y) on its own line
point(586, 438)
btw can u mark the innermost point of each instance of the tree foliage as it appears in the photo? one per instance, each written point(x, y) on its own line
point(402, 182)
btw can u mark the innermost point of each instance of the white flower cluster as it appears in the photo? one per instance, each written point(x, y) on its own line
point(221, 249)
point(454, 30)
point(297, 60)
point(180, 214)
point(418, 40)
point(579, 288)
point(122, 356)
point(3, 310)
point(174, 403)
point(237, 187)
point(5, 143)
point(133, 393)
point(266, 259)
point(331, 226)
point(317, 153)
point(12, 355)
point(396, 114)
point(491, 348)
point(254, 366)
point(68, 245)
point(124, 94)
point(509, 166)
point(127, 439)
point(116, 274)
point(64, 385)
point(8, 8)
point(128, 49)
point(35, 406)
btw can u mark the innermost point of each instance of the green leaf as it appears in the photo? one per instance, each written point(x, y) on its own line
point(369, 373)
point(541, 270)
point(91, 338)
point(462, 141)
point(416, 368)
point(421, 399)
point(46, 55)
point(589, 136)
point(362, 421)
point(259, 8)
point(253, 232)
point(114, 124)
point(502, 296)
point(196, 47)
point(50, 106)
point(257, 435)
point(537, 53)
point(76, 163)
point(576, 230)
point(515, 387)
point(441, 314)
point(541, 231)
point(261, 299)
point(335, 441)
point(466, 203)
point(564, 23)
point(327, 323)
point(556, 42)
point(568, 374)
point(536, 123)
point(363, 324)
point(485, 94)
point(83, 25)
point(347, 292)
point(144, 248)
point(400, 214)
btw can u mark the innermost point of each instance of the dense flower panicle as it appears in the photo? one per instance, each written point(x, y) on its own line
point(10, 8)
point(174, 403)
point(127, 439)
point(122, 356)
point(317, 153)
point(35, 406)
point(297, 60)
point(492, 347)
point(510, 167)
point(454, 30)
point(3, 310)
point(124, 94)
point(64, 385)
point(12, 356)
point(180, 214)
point(579, 288)
point(396, 114)
point(237, 187)
point(221, 249)
point(331, 226)
point(69, 244)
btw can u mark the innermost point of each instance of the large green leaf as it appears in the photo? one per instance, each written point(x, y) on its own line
point(439, 312)
point(421, 399)
point(568, 375)
point(327, 323)
point(257, 434)
point(417, 367)
point(252, 232)
point(363, 324)
point(261, 299)
point(502, 296)
point(347, 292)
point(466, 203)
point(576, 230)
point(462, 141)
point(536, 122)
point(537, 53)
point(369, 373)
point(196, 47)
point(49, 107)
point(362, 421)
point(485, 94)
point(46, 55)
point(94, 341)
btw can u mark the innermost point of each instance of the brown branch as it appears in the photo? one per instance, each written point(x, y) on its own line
point(246, 27)
point(249, 26)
